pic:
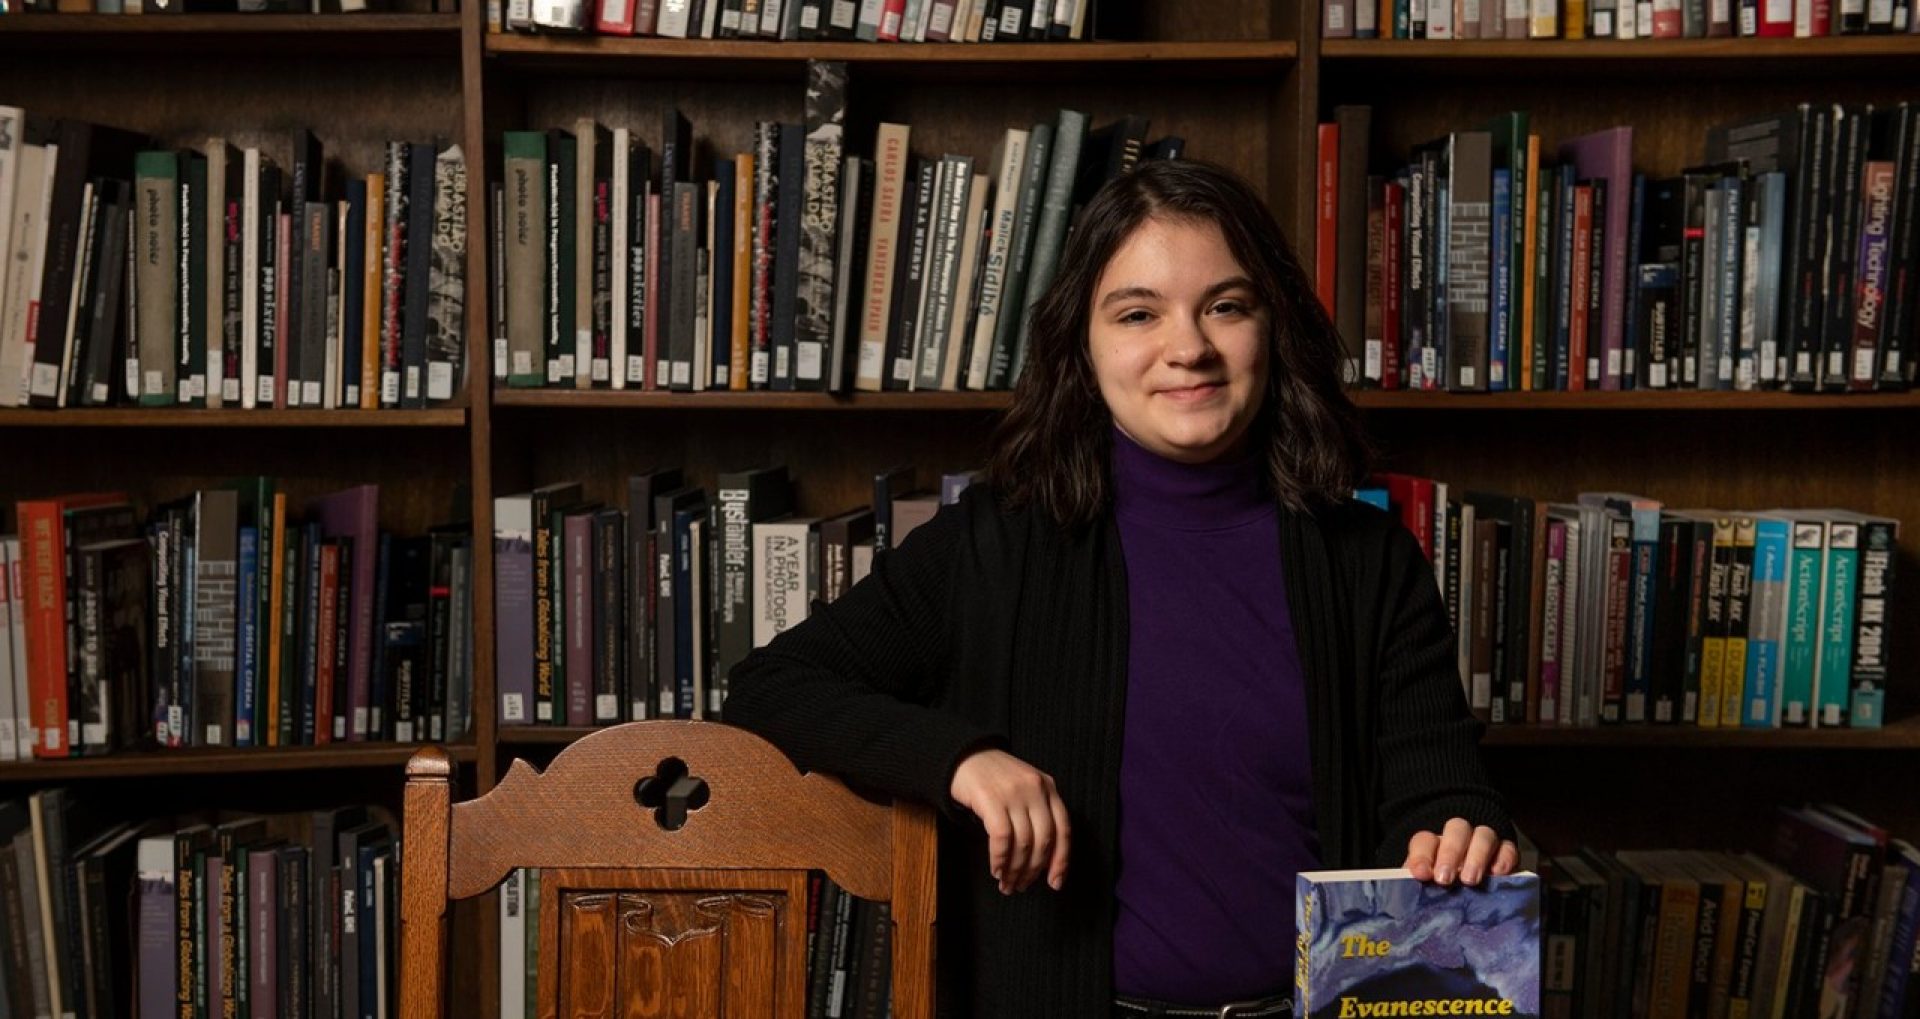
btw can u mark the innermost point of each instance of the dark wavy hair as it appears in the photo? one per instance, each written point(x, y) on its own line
point(1052, 448)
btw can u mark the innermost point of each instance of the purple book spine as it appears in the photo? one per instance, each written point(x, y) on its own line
point(1608, 155)
point(355, 513)
point(157, 966)
point(263, 902)
point(513, 609)
point(579, 618)
point(1552, 640)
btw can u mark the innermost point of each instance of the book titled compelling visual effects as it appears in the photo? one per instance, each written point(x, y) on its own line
point(1382, 943)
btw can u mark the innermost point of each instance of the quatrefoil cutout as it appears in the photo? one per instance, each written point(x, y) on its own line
point(671, 793)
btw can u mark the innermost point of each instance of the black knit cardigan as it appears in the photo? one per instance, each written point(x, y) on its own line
point(996, 627)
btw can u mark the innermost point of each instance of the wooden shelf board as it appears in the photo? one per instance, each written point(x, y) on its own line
point(609, 399)
point(1082, 59)
point(163, 25)
point(1634, 400)
point(1731, 49)
point(543, 735)
point(169, 417)
point(1902, 735)
point(226, 762)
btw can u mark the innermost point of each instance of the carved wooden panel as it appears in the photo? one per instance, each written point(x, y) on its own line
point(712, 945)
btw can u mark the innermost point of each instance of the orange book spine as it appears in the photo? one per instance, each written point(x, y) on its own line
point(1326, 219)
point(1582, 268)
point(370, 308)
point(44, 576)
point(742, 270)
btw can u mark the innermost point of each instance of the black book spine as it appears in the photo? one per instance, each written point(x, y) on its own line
point(1805, 286)
point(233, 218)
point(1903, 290)
point(786, 261)
point(676, 138)
point(609, 632)
point(1843, 238)
point(685, 214)
point(65, 235)
point(293, 934)
point(1693, 269)
point(1596, 270)
point(664, 640)
point(419, 266)
point(73, 371)
point(917, 210)
point(304, 172)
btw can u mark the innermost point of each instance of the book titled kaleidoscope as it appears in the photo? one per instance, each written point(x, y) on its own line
point(1382, 943)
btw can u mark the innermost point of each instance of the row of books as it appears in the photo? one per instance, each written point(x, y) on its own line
point(823, 20)
point(210, 278)
point(609, 614)
point(1612, 609)
point(225, 619)
point(1613, 19)
point(287, 915)
point(1489, 262)
point(191, 6)
point(793, 267)
point(1822, 923)
point(849, 950)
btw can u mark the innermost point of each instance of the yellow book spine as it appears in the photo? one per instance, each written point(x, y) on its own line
point(1713, 645)
point(1574, 20)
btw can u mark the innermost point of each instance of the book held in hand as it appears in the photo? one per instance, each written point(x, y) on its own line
point(1382, 943)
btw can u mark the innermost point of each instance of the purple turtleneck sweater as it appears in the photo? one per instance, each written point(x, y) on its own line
point(1215, 786)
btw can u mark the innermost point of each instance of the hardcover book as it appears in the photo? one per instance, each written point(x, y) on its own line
point(1380, 942)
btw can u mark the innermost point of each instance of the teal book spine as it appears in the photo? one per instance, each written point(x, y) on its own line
point(1771, 541)
point(1802, 645)
point(1836, 623)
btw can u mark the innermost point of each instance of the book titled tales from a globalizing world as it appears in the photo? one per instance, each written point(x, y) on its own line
point(1375, 943)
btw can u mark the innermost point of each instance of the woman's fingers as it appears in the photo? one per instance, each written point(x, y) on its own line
point(1014, 873)
point(1044, 835)
point(1479, 855)
point(1507, 860)
point(999, 842)
point(1453, 850)
point(1062, 835)
point(1420, 851)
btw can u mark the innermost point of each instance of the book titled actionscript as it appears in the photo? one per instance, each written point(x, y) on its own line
point(1381, 943)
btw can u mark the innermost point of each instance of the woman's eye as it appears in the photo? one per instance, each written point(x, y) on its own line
point(1229, 308)
point(1134, 317)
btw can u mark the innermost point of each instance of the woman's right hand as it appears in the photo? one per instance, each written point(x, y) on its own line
point(1026, 820)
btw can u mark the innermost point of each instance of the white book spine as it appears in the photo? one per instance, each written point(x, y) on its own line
point(785, 575)
point(1006, 202)
point(33, 196)
point(26, 733)
point(12, 124)
point(250, 281)
point(513, 946)
point(621, 283)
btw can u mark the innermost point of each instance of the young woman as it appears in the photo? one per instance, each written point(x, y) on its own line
point(1160, 661)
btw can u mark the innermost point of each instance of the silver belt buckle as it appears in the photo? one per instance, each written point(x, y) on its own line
point(1238, 1009)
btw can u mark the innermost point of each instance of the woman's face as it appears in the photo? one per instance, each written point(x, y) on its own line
point(1178, 341)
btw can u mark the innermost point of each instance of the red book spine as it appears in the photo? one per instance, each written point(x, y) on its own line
point(325, 644)
point(1776, 19)
point(890, 17)
point(655, 370)
point(1582, 271)
point(1390, 310)
point(1326, 204)
point(616, 17)
point(43, 547)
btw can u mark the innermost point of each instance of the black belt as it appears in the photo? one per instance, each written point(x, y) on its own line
point(1258, 1008)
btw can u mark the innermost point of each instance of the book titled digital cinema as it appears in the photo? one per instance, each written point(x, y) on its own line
point(1373, 943)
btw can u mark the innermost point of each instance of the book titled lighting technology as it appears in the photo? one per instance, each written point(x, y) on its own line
point(1381, 943)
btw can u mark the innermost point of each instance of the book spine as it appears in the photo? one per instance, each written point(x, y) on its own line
point(1762, 705)
point(766, 182)
point(1866, 708)
point(817, 220)
point(1733, 672)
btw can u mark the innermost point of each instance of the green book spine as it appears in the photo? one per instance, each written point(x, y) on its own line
point(1836, 623)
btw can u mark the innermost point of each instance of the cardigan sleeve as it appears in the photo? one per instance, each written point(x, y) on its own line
point(1427, 753)
point(848, 691)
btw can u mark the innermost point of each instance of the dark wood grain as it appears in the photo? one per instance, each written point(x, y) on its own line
point(167, 417)
point(332, 757)
point(676, 58)
point(608, 399)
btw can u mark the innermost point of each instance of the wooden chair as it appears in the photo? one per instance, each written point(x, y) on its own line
point(673, 861)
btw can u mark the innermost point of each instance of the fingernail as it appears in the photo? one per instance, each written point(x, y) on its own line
point(1054, 882)
point(1443, 873)
point(1471, 875)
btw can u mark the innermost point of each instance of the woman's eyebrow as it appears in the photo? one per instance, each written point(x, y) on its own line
point(1150, 294)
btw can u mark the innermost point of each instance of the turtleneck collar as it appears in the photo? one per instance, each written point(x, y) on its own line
point(1151, 489)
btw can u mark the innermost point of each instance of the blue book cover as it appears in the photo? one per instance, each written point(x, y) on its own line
point(1381, 943)
point(1502, 338)
point(1372, 496)
point(1767, 622)
point(1500, 334)
point(246, 707)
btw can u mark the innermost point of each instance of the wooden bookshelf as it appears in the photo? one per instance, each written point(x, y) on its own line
point(607, 399)
point(1800, 54)
point(1903, 735)
point(173, 417)
point(1639, 400)
point(706, 57)
point(202, 762)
